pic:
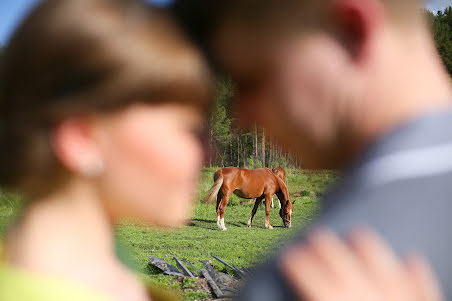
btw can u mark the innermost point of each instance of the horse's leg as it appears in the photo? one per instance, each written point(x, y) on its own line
point(222, 208)
point(256, 206)
point(219, 197)
point(267, 211)
point(279, 202)
point(273, 205)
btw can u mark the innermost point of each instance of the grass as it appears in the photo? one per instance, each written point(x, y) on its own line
point(239, 245)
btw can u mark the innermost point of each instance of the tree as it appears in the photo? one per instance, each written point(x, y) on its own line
point(441, 24)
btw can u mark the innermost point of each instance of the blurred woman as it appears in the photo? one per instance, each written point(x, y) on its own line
point(99, 99)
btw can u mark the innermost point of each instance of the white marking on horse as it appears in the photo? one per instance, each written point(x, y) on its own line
point(223, 227)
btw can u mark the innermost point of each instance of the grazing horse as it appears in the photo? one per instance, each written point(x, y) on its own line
point(256, 184)
point(280, 172)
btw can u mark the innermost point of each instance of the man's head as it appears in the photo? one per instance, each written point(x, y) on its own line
point(323, 76)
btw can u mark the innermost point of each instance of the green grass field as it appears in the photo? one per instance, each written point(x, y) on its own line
point(239, 245)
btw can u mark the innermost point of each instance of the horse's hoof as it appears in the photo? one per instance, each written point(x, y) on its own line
point(269, 227)
point(224, 229)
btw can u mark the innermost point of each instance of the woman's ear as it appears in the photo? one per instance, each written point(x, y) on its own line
point(355, 22)
point(76, 148)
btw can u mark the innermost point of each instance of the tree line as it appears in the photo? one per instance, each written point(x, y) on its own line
point(232, 146)
point(441, 24)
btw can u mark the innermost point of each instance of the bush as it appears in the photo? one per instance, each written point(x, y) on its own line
point(282, 162)
point(253, 164)
point(305, 193)
point(10, 200)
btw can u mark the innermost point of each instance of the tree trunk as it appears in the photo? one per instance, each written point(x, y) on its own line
point(238, 150)
point(230, 151)
point(211, 148)
point(256, 155)
point(270, 163)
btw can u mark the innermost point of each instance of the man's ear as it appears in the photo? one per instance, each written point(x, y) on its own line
point(74, 144)
point(355, 23)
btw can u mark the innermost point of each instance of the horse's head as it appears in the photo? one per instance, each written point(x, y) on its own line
point(286, 213)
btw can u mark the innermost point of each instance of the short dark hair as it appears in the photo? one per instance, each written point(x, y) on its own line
point(202, 18)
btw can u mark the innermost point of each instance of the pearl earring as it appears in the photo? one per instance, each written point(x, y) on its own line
point(93, 168)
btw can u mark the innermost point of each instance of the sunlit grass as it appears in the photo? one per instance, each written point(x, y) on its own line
point(238, 245)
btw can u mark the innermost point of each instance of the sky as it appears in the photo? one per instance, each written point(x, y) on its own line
point(12, 11)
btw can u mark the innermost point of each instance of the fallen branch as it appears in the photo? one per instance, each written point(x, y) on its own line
point(216, 290)
point(165, 267)
point(183, 267)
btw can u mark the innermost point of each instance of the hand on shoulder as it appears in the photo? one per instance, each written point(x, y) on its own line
point(326, 267)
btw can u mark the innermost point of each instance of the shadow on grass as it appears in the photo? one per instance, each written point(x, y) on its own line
point(198, 222)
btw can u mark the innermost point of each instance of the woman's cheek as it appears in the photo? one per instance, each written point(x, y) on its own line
point(176, 161)
point(179, 157)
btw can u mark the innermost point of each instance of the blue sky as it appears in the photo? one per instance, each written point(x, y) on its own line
point(11, 12)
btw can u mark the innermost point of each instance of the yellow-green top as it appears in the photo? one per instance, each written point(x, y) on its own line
point(17, 285)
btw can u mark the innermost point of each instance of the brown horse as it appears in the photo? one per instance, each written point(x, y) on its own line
point(281, 173)
point(249, 184)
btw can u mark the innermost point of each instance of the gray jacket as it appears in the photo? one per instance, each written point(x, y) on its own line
point(402, 188)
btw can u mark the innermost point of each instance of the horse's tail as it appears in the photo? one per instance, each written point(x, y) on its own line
point(213, 192)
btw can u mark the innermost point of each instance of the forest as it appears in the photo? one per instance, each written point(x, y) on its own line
point(253, 148)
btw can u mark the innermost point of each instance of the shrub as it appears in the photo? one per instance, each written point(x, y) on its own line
point(254, 163)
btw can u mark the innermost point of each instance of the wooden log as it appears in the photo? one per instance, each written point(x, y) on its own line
point(164, 266)
point(238, 272)
point(183, 267)
point(193, 267)
point(209, 268)
point(216, 290)
point(247, 271)
point(241, 273)
point(174, 274)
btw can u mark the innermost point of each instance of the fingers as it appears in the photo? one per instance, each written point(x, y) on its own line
point(306, 274)
point(423, 279)
point(380, 262)
point(326, 269)
point(336, 259)
point(363, 268)
point(384, 269)
point(374, 254)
